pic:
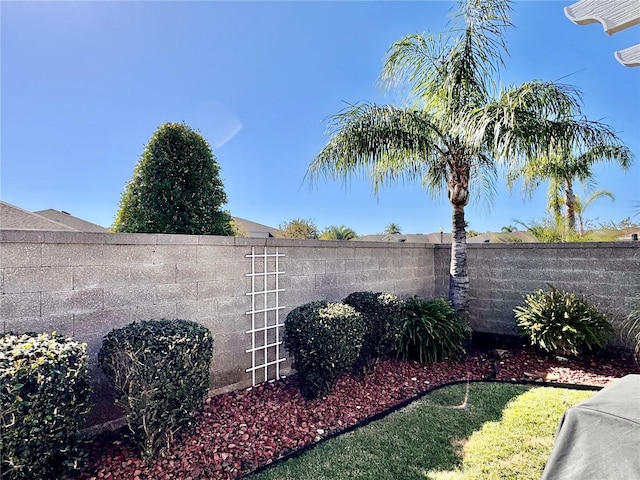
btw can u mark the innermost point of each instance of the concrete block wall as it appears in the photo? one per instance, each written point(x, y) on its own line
point(500, 275)
point(84, 284)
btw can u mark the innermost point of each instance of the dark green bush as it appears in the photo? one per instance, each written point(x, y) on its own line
point(382, 316)
point(561, 322)
point(44, 400)
point(176, 187)
point(324, 339)
point(431, 331)
point(160, 371)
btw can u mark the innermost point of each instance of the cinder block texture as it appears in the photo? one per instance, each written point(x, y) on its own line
point(607, 274)
point(84, 285)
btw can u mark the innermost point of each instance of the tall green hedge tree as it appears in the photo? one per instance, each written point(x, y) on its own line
point(175, 188)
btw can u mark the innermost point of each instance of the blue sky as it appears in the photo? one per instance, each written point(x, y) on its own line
point(85, 84)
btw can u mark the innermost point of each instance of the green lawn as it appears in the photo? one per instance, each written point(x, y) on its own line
point(503, 431)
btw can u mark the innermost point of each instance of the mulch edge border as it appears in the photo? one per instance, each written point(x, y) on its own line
point(380, 415)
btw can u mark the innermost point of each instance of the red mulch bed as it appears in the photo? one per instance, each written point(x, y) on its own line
point(241, 431)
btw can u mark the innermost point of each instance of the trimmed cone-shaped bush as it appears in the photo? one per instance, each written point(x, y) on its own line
point(44, 401)
point(382, 314)
point(175, 187)
point(324, 339)
point(160, 371)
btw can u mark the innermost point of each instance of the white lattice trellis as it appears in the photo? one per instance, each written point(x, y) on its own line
point(265, 315)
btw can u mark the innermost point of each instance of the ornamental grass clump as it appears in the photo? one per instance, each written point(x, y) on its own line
point(44, 401)
point(160, 371)
point(630, 331)
point(381, 313)
point(560, 322)
point(430, 331)
point(324, 339)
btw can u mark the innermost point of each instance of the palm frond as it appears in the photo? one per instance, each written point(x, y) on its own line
point(612, 153)
point(451, 74)
point(381, 142)
point(582, 205)
point(481, 26)
point(483, 180)
point(555, 200)
point(412, 60)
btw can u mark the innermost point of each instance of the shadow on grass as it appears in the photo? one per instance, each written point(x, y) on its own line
point(423, 436)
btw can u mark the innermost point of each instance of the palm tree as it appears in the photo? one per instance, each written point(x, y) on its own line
point(581, 206)
point(392, 229)
point(458, 126)
point(562, 167)
point(338, 233)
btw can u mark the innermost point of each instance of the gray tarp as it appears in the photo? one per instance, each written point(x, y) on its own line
point(599, 438)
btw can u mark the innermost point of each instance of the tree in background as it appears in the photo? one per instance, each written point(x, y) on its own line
point(580, 206)
point(562, 167)
point(175, 188)
point(237, 230)
point(460, 125)
point(338, 233)
point(553, 228)
point(298, 228)
point(392, 229)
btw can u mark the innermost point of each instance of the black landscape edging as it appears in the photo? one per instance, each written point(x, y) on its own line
point(380, 415)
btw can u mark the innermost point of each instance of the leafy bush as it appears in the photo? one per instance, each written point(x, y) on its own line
point(175, 187)
point(430, 331)
point(298, 228)
point(160, 370)
point(381, 313)
point(324, 339)
point(561, 322)
point(44, 400)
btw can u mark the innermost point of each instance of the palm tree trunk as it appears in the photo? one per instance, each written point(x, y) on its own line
point(580, 225)
point(458, 273)
point(569, 201)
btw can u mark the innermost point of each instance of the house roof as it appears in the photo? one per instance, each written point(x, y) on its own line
point(69, 220)
point(408, 238)
point(253, 229)
point(16, 218)
point(503, 237)
point(499, 237)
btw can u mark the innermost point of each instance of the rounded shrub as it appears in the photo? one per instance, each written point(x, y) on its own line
point(430, 331)
point(561, 322)
point(44, 401)
point(324, 339)
point(160, 371)
point(381, 313)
